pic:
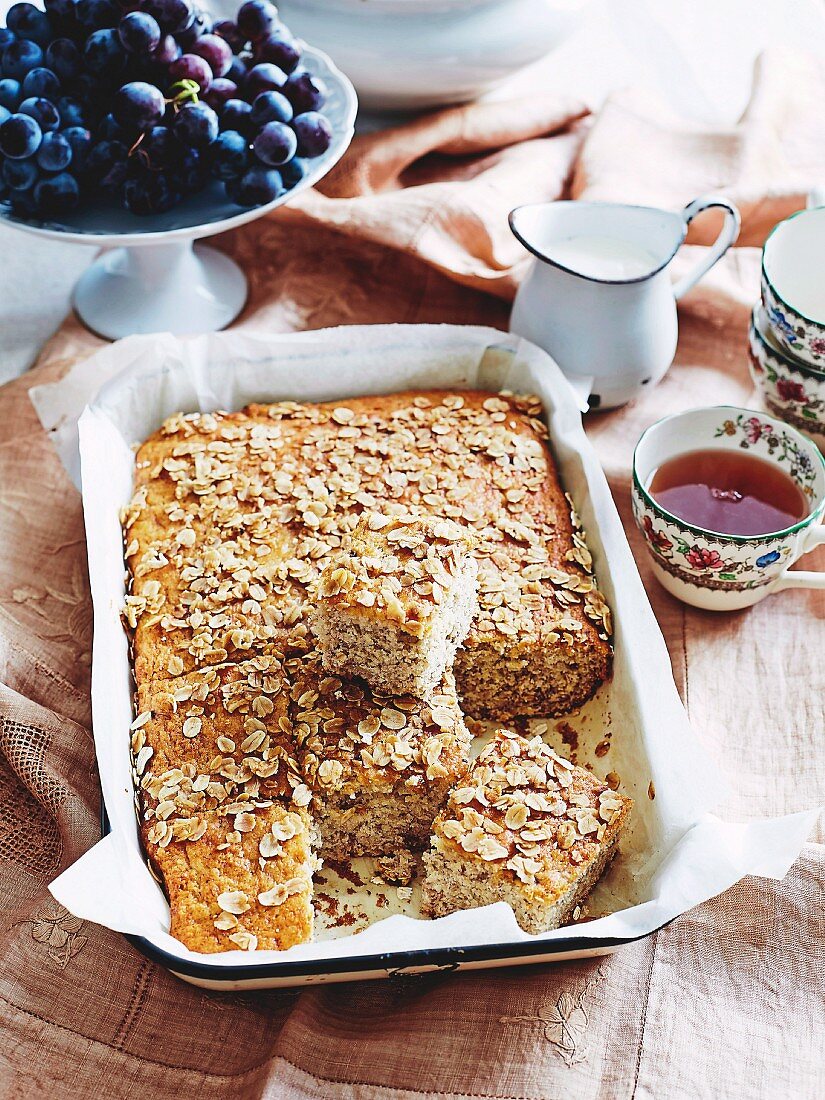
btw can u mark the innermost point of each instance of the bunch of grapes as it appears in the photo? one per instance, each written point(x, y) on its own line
point(148, 100)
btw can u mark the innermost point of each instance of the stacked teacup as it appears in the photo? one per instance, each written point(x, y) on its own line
point(787, 328)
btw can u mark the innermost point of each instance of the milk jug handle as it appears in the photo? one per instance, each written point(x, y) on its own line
point(727, 236)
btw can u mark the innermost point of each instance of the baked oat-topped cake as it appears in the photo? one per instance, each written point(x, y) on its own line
point(234, 520)
point(397, 601)
point(524, 826)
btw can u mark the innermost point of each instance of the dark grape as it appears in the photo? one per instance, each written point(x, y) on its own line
point(40, 82)
point(256, 19)
point(237, 71)
point(150, 193)
point(257, 186)
point(270, 107)
point(71, 111)
point(19, 57)
point(80, 141)
point(20, 175)
point(191, 67)
point(97, 15)
point(215, 52)
point(193, 170)
point(6, 37)
point(313, 132)
point(64, 58)
point(305, 92)
point(265, 77)
point(294, 171)
point(138, 105)
point(196, 124)
point(228, 30)
point(107, 164)
point(160, 149)
point(220, 90)
point(275, 144)
point(103, 53)
point(27, 21)
point(20, 137)
point(173, 15)
point(168, 51)
point(237, 115)
point(61, 12)
point(139, 33)
point(55, 153)
point(4, 114)
point(110, 130)
point(229, 155)
point(201, 24)
point(43, 111)
point(279, 48)
point(10, 94)
point(57, 194)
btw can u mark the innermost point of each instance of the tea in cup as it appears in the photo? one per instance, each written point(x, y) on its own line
point(727, 500)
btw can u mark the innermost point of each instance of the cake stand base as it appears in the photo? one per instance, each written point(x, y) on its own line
point(171, 287)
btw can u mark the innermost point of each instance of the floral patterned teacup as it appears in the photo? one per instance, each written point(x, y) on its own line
point(793, 290)
point(789, 388)
point(725, 572)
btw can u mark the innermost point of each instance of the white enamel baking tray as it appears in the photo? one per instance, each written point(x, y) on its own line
point(675, 855)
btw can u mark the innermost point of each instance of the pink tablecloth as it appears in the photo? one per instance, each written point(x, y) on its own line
point(728, 1001)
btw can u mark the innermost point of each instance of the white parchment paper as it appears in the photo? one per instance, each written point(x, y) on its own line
point(676, 854)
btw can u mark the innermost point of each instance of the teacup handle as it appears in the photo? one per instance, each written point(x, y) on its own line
point(801, 578)
point(727, 236)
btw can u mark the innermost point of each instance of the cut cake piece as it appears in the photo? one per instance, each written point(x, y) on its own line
point(239, 881)
point(379, 767)
point(526, 827)
point(395, 604)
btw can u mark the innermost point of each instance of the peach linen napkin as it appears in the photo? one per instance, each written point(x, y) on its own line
point(728, 1001)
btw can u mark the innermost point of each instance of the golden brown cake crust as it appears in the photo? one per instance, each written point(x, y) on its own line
point(234, 518)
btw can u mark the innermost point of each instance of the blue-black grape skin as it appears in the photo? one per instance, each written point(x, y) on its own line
point(138, 106)
point(19, 57)
point(80, 140)
point(257, 186)
point(196, 124)
point(236, 115)
point(280, 49)
point(139, 33)
point(10, 94)
point(150, 193)
point(265, 77)
point(57, 194)
point(97, 14)
point(275, 144)
point(220, 91)
point(64, 58)
point(229, 155)
point(228, 30)
point(305, 92)
point(294, 171)
point(173, 15)
point(270, 107)
point(256, 19)
point(43, 111)
point(27, 21)
point(71, 111)
point(54, 154)
point(200, 25)
point(313, 132)
point(40, 82)
point(20, 175)
point(6, 36)
point(4, 114)
point(103, 53)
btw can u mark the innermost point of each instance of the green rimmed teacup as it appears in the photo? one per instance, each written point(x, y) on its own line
point(709, 569)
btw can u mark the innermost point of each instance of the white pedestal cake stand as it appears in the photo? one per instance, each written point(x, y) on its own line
point(151, 276)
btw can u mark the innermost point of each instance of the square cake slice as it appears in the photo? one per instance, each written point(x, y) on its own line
point(379, 767)
point(397, 601)
point(237, 881)
point(526, 827)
